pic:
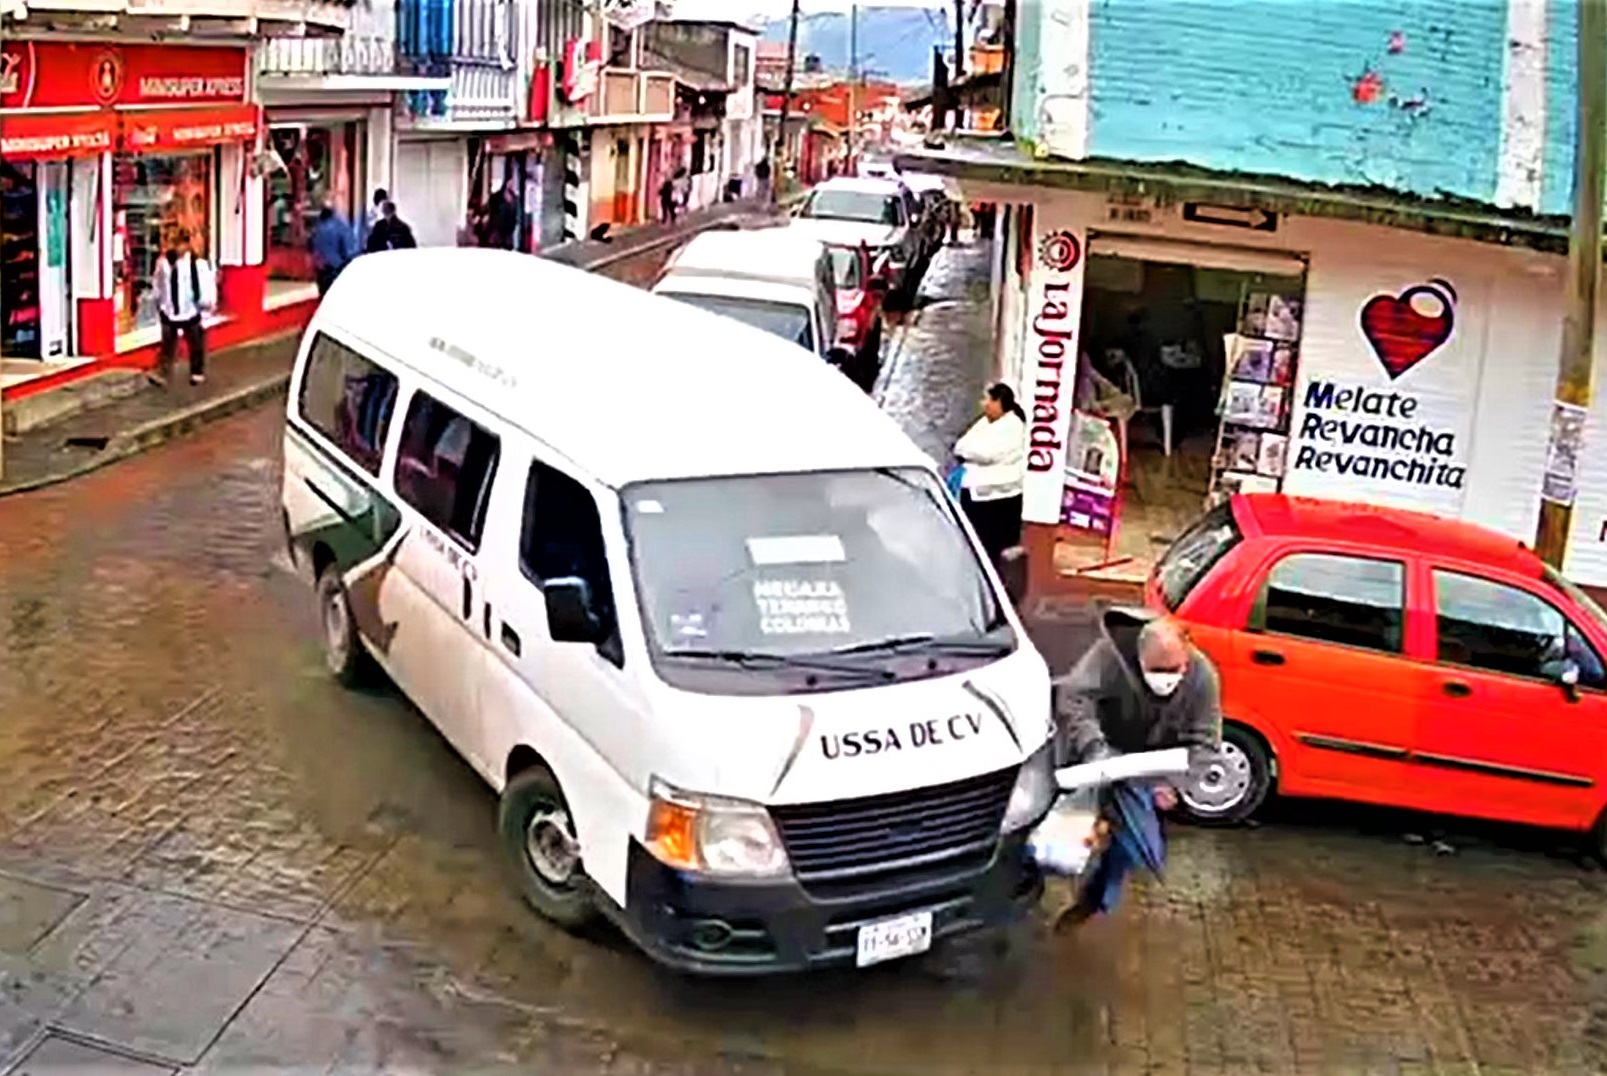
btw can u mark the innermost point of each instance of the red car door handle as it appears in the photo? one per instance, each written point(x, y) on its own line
point(1456, 689)
point(1266, 657)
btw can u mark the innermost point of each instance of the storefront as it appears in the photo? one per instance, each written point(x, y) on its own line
point(317, 162)
point(1317, 357)
point(516, 162)
point(108, 152)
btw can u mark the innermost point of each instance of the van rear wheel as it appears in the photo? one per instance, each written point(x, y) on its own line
point(343, 651)
point(543, 851)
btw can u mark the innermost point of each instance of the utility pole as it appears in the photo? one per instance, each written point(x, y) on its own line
point(786, 94)
point(1560, 483)
point(959, 40)
point(853, 84)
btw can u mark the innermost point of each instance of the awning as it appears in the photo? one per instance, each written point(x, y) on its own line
point(56, 134)
point(159, 130)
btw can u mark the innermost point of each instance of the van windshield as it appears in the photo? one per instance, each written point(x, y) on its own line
point(860, 568)
point(786, 320)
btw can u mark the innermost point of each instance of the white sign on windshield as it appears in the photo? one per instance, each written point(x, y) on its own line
point(797, 549)
point(801, 607)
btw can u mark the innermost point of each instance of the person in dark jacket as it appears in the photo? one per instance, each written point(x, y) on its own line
point(390, 232)
point(1142, 687)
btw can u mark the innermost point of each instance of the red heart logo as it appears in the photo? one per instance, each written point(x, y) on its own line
point(1402, 336)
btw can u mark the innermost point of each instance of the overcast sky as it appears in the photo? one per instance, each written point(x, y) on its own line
point(739, 10)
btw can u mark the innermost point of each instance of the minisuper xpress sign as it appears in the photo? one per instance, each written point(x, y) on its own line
point(62, 74)
point(1049, 372)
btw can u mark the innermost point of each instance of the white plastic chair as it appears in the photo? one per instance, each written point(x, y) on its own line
point(1164, 410)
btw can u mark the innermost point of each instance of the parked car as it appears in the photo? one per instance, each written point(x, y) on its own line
point(772, 278)
point(861, 288)
point(876, 212)
point(1391, 657)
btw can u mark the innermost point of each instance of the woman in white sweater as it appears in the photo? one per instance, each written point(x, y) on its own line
point(994, 454)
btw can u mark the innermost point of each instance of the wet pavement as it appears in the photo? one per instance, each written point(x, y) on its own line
point(213, 860)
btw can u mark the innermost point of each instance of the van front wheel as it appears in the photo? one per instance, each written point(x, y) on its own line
point(538, 836)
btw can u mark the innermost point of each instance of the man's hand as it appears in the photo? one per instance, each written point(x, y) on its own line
point(1165, 797)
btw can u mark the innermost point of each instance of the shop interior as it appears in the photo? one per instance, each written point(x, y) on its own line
point(1193, 366)
point(33, 330)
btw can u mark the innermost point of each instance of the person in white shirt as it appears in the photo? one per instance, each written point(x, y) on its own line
point(185, 291)
point(994, 454)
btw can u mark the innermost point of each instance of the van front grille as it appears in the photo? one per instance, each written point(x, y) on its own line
point(923, 826)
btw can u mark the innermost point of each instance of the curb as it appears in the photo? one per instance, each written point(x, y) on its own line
point(150, 434)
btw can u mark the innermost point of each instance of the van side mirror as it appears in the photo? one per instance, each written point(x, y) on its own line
point(572, 615)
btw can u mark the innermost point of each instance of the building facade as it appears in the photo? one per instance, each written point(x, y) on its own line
point(1348, 284)
point(117, 133)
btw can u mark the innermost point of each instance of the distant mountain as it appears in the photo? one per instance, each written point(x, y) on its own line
point(895, 43)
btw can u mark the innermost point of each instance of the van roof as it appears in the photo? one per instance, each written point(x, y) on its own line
point(774, 253)
point(627, 385)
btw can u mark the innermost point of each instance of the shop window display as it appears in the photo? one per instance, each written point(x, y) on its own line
point(19, 260)
point(154, 197)
point(318, 171)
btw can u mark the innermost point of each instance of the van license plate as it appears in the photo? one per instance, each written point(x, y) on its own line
point(890, 939)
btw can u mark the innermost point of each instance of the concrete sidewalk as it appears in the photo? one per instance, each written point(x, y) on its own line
point(243, 377)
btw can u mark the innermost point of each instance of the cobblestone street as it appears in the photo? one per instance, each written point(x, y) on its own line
point(214, 860)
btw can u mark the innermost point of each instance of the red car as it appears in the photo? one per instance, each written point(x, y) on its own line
point(1391, 657)
point(861, 290)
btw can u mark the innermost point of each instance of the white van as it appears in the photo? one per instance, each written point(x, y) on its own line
point(702, 615)
point(769, 278)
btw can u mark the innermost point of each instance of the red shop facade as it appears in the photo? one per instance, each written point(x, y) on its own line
point(107, 152)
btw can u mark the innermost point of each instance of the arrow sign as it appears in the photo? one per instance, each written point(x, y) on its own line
point(1231, 216)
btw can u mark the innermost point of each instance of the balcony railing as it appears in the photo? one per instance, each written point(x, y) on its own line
point(629, 94)
point(349, 54)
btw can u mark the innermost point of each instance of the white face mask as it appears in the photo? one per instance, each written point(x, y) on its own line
point(1163, 683)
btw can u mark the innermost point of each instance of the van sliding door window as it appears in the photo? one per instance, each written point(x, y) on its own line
point(563, 534)
point(349, 399)
point(445, 466)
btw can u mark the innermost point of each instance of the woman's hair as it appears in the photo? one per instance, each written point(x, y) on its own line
point(1006, 397)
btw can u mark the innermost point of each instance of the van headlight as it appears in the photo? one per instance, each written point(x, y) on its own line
point(713, 834)
point(1034, 791)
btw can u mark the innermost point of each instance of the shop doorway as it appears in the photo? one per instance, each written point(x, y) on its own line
point(1191, 353)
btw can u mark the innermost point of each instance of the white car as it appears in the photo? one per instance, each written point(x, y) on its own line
point(881, 213)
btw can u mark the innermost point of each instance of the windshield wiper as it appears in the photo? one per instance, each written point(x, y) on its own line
point(788, 661)
point(926, 641)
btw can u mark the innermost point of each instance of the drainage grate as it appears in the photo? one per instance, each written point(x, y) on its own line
point(96, 443)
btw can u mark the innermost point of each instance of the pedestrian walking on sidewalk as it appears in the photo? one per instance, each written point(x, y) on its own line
point(1142, 687)
point(993, 456)
point(666, 200)
point(333, 246)
point(186, 290)
point(390, 232)
point(761, 179)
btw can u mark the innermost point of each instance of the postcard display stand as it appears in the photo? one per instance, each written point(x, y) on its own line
point(1252, 444)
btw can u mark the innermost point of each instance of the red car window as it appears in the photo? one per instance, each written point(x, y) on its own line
point(1498, 628)
point(1353, 601)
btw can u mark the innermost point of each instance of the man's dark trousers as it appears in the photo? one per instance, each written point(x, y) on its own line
point(194, 343)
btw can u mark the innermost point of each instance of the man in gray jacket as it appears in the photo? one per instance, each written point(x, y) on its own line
point(1142, 687)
